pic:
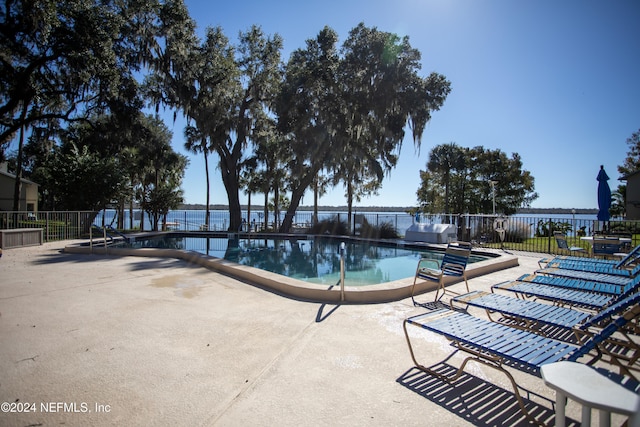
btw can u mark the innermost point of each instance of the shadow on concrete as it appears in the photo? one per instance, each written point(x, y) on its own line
point(475, 400)
point(59, 257)
point(321, 316)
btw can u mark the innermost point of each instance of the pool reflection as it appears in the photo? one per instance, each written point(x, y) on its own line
point(315, 260)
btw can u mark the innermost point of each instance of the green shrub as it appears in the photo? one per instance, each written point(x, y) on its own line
point(542, 230)
point(517, 231)
point(385, 230)
point(332, 226)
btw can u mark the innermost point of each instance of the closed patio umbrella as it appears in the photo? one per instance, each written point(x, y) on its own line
point(604, 195)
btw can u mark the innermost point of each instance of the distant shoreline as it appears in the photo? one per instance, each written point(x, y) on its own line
point(554, 211)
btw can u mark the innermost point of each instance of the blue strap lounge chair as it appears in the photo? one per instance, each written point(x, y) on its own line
point(615, 279)
point(522, 312)
point(581, 284)
point(528, 314)
point(589, 265)
point(558, 295)
point(631, 258)
point(453, 266)
point(621, 304)
point(497, 345)
point(627, 266)
point(575, 259)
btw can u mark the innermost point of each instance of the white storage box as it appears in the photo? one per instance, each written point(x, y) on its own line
point(431, 233)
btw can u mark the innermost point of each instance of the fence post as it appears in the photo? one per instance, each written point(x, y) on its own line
point(549, 232)
point(353, 224)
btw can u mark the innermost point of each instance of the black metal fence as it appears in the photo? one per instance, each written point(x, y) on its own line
point(536, 233)
point(518, 232)
point(254, 220)
point(55, 225)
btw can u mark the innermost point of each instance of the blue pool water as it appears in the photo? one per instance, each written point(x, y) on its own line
point(314, 260)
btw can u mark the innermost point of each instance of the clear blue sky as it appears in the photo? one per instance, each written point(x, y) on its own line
point(556, 81)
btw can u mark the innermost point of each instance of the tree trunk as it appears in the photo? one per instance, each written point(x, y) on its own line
point(229, 170)
point(349, 204)
point(249, 212)
point(314, 220)
point(296, 196)
point(235, 212)
point(18, 183)
point(230, 181)
point(276, 207)
point(131, 197)
point(131, 215)
point(121, 215)
point(266, 210)
point(206, 171)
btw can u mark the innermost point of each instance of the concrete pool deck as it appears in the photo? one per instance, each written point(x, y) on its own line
point(102, 340)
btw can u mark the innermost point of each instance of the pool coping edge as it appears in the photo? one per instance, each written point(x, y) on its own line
point(298, 289)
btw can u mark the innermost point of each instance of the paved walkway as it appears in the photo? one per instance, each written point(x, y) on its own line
point(95, 340)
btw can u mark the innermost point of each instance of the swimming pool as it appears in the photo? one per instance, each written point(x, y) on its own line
point(314, 260)
point(288, 286)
